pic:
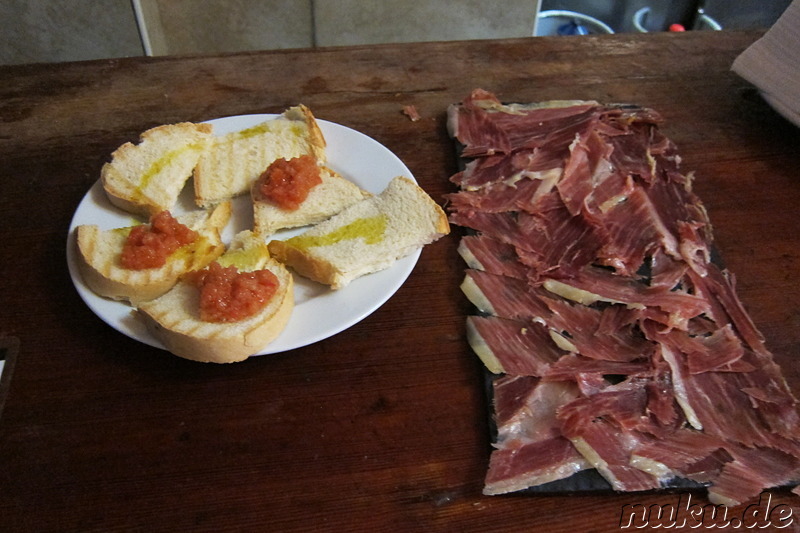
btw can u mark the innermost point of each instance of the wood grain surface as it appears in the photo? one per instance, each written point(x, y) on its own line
point(382, 427)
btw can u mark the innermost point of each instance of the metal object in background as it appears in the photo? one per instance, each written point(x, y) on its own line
point(563, 22)
point(618, 14)
point(701, 21)
point(661, 15)
point(704, 22)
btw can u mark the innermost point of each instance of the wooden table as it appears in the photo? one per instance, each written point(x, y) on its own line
point(382, 427)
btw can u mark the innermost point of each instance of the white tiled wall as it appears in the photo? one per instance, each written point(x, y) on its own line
point(353, 22)
point(210, 26)
point(33, 31)
point(55, 30)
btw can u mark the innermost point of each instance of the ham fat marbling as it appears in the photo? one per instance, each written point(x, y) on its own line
point(615, 343)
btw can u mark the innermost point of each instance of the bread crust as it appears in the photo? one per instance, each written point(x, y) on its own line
point(99, 282)
point(231, 163)
point(324, 200)
point(413, 220)
point(122, 176)
point(98, 252)
point(174, 320)
point(316, 138)
point(304, 264)
point(224, 348)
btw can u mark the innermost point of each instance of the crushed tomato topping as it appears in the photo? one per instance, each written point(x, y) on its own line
point(287, 182)
point(149, 245)
point(227, 295)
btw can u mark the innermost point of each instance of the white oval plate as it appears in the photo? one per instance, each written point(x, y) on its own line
point(319, 312)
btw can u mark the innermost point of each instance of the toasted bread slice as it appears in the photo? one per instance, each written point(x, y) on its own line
point(235, 160)
point(99, 252)
point(366, 237)
point(146, 178)
point(323, 201)
point(174, 318)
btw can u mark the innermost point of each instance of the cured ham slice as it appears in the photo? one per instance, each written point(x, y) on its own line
point(683, 452)
point(515, 347)
point(592, 285)
point(503, 296)
point(599, 427)
point(720, 289)
point(613, 341)
point(521, 193)
point(529, 449)
point(573, 367)
point(486, 127)
point(499, 171)
point(594, 335)
point(750, 471)
point(528, 464)
point(516, 398)
point(629, 245)
point(484, 253)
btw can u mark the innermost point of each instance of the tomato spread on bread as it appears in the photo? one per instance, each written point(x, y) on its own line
point(227, 295)
point(287, 182)
point(149, 245)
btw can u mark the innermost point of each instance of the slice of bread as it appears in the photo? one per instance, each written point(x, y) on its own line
point(366, 237)
point(174, 318)
point(323, 201)
point(146, 178)
point(99, 252)
point(235, 160)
